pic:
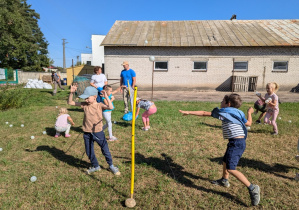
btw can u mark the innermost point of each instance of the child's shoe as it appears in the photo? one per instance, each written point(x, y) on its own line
point(112, 138)
point(296, 177)
point(221, 182)
point(255, 195)
point(258, 122)
point(67, 135)
point(144, 129)
point(148, 127)
point(57, 135)
point(93, 169)
point(274, 133)
point(114, 170)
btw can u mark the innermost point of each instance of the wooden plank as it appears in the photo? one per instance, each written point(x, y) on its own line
point(203, 34)
point(157, 31)
point(274, 27)
point(217, 35)
point(293, 35)
point(176, 34)
point(238, 34)
point(196, 34)
point(183, 34)
point(150, 33)
point(189, 32)
point(227, 27)
point(223, 33)
point(136, 34)
point(143, 32)
point(209, 33)
point(248, 34)
point(260, 32)
point(169, 38)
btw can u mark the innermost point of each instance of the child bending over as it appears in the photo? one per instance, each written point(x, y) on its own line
point(150, 108)
point(62, 123)
point(234, 129)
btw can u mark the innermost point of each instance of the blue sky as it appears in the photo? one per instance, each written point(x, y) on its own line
point(77, 20)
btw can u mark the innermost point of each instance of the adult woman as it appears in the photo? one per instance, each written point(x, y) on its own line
point(98, 80)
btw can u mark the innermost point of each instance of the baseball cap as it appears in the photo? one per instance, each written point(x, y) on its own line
point(89, 91)
point(125, 63)
point(138, 98)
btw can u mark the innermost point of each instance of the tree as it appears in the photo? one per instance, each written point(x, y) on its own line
point(23, 45)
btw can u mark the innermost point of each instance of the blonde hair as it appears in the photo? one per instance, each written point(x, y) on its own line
point(274, 85)
point(62, 111)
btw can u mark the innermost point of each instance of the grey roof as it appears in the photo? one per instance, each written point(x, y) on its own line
point(204, 33)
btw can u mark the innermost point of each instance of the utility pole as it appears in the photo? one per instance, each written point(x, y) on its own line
point(77, 60)
point(63, 44)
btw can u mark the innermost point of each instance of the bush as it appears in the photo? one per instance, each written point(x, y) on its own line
point(12, 97)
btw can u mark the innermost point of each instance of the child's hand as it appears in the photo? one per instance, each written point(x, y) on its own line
point(258, 94)
point(73, 88)
point(104, 94)
point(184, 112)
point(250, 110)
point(73, 124)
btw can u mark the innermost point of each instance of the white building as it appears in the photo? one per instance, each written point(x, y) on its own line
point(96, 58)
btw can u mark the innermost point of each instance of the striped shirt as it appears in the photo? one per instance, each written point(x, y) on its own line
point(231, 130)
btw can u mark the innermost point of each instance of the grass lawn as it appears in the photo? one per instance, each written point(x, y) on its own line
point(175, 160)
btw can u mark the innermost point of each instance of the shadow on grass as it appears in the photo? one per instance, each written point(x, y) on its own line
point(62, 156)
point(124, 124)
point(175, 171)
point(212, 126)
point(261, 166)
point(75, 110)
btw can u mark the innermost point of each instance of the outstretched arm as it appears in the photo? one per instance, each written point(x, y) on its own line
point(70, 100)
point(249, 118)
point(196, 113)
point(104, 106)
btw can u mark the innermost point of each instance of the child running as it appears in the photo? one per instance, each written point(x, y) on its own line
point(259, 105)
point(234, 129)
point(150, 108)
point(271, 99)
point(92, 126)
point(107, 112)
point(62, 123)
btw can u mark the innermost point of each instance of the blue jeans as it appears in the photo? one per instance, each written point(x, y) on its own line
point(99, 98)
point(99, 137)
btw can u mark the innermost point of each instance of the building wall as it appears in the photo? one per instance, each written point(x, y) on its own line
point(78, 71)
point(219, 70)
point(97, 50)
point(23, 76)
point(86, 57)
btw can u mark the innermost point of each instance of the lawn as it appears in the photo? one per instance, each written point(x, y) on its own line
point(175, 160)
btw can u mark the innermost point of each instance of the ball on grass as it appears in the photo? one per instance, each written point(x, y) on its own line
point(10, 125)
point(32, 137)
point(44, 132)
point(248, 128)
point(6, 123)
point(290, 121)
point(1, 149)
point(22, 125)
point(33, 179)
point(130, 203)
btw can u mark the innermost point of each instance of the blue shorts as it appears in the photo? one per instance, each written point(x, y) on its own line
point(234, 151)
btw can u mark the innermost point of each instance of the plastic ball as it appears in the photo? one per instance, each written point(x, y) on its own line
point(1, 149)
point(290, 121)
point(6, 123)
point(279, 118)
point(10, 125)
point(22, 125)
point(44, 132)
point(115, 122)
point(56, 107)
point(130, 202)
point(32, 137)
point(33, 179)
point(248, 128)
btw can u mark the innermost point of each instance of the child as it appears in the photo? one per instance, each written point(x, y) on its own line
point(107, 113)
point(150, 108)
point(92, 126)
point(259, 105)
point(62, 124)
point(271, 99)
point(233, 126)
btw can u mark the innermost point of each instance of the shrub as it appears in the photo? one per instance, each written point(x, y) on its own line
point(12, 97)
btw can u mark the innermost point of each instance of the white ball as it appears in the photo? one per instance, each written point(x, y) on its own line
point(1, 149)
point(248, 128)
point(32, 137)
point(10, 125)
point(33, 179)
point(56, 107)
point(44, 132)
point(279, 118)
point(6, 123)
point(22, 125)
point(115, 122)
point(290, 121)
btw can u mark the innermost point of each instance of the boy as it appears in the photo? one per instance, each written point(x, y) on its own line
point(92, 126)
point(234, 129)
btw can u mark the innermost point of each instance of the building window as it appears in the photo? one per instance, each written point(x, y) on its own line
point(200, 66)
point(241, 66)
point(161, 66)
point(88, 63)
point(280, 66)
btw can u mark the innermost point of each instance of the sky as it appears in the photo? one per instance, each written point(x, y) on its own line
point(77, 20)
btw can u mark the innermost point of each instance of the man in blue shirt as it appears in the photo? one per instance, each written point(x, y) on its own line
point(128, 79)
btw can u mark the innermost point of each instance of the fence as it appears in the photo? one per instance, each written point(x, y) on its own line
point(8, 76)
point(243, 84)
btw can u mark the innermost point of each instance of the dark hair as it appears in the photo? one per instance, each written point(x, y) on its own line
point(106, 86)
point(96, 69)
point(234, 100)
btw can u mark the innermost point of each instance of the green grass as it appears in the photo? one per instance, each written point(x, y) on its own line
point(175, 160)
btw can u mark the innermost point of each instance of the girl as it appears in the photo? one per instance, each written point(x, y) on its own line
point(150, 108)
point(107, 112)
point(62, 124)
point(271, 99)
point(259, 105)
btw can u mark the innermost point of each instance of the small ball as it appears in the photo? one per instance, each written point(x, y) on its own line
point(290, 121)
point(130, 202)
point(10, 125)
point(1, 149)
point(248, 128)
point(44, 132)
point(32, 137)
point(33, 179)
point(279, 118)
point(115, 122)
point(56, 107)
point(6, 123)
point(22, 125)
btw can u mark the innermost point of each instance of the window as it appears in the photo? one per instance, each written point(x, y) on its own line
point(161, 65)
point(280, 66)
point(241, 66)
point(200, 66)
point(88, 63)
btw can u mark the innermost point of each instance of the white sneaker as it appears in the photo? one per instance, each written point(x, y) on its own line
point(144, 129)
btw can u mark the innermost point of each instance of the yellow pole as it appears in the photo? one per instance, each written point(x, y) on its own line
point(133, 142)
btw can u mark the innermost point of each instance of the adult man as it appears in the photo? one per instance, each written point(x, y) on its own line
point(127, 75)
point(56, 79)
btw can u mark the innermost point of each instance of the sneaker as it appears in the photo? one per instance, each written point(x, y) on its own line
point(148, 127)
point(144, 129)
point(93, 169)
point(255, 195)
point(221, 182)
point(274, 133)
point(67, 135)
point(112, 138)
point(57, 135)
point(114, 170)
point(296, 177)
point(258, 122)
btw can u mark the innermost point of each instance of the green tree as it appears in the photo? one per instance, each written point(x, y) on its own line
point(23, 45)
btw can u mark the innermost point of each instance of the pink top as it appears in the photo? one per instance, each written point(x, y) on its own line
point(259, 102)
point(274, 97)
point(62, 120)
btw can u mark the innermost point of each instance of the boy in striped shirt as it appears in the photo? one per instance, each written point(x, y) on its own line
point(234, 129)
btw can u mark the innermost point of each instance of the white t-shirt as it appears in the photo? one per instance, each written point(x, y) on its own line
point(98, 80)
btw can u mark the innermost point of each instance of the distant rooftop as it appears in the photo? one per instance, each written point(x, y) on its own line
point(204, 33)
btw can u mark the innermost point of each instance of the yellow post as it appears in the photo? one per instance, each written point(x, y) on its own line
point(133, 142)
